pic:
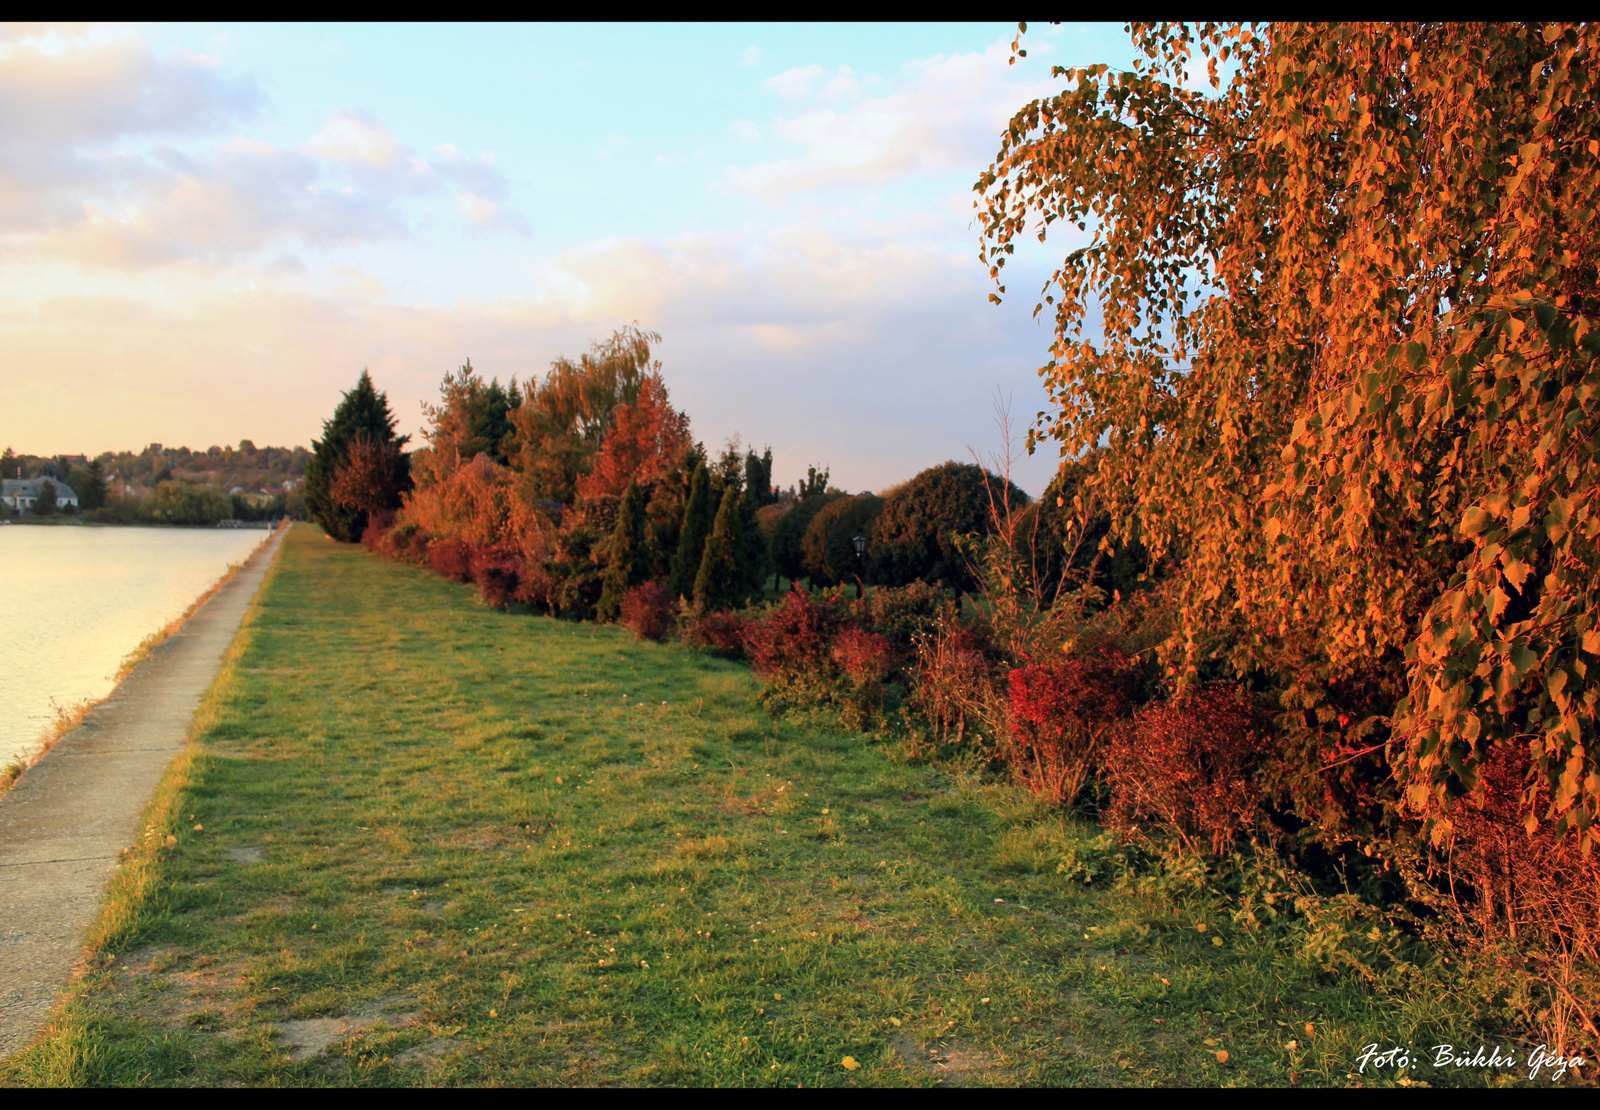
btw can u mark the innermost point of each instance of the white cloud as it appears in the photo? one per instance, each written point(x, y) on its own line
point(751, 56)
point(792, 84)
point(942, 113)
point(843, 87)
point(475, 208)
point(350, 137)
point(86, 173)
point(745, 130)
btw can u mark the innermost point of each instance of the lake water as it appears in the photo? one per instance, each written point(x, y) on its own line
point(77, 600)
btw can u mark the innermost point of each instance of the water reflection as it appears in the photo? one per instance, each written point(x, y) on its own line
point(74, 601)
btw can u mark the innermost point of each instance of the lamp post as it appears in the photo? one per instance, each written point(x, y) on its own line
point(860, 544)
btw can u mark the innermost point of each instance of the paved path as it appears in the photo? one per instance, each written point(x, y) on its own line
point(63, 824)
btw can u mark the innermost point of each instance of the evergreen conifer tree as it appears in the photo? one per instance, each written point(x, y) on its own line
point(93, 494)
point(630, 555)
point(753, 545)
point(363, 409)
point(698, 517)
point(721, 582)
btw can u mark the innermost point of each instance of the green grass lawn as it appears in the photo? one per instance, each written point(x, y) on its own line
point(421, 841)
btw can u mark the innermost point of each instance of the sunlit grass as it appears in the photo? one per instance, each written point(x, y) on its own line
point(429, 842)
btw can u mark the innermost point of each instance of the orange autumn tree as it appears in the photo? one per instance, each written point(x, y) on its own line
point(1346, 377)
point(646, 441)
point(373, 477)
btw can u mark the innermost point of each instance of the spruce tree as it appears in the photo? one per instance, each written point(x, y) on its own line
point(630, 555)
point(698, 516)
point(363, 409)
point(721, 581)
point(93, 494)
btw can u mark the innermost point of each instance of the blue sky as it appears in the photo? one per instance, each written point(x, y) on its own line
point(207, 231)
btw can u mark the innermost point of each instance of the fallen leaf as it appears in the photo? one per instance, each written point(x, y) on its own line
point(1222, 1056)
point(1217, 941)
point(1309, 1030)
point(1201, 927)
point(850, 1063)
point(171, 840)
point(1210, 1042)
point(895, 1022)
point(199, 828)
point(1293, 1046)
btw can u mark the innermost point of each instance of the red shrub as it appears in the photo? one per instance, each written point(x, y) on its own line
point(378, 525)
point(1187, 767)
point(451, 559)
point(647, 609)
point(796, 636)
point(537, 585)
point(721, 632)
point(497, 571)
point(1059, 715)
point(866, 658)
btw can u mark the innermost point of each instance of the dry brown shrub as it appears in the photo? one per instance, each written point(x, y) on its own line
point(956, 682)
point(1537, 892)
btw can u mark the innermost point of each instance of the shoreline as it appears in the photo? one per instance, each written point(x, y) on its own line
point(67, 823)
point(70, 716)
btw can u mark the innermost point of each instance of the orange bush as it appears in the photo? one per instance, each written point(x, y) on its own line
point(481, 506)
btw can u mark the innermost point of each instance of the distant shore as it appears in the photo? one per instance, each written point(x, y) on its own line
point(62, 522)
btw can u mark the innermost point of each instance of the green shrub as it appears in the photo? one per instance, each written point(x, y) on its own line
point(829, 544)
point(912, 537)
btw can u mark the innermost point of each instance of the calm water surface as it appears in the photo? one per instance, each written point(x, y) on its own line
point(79, 599)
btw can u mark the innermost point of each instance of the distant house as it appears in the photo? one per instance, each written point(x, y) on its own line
point(20, 493)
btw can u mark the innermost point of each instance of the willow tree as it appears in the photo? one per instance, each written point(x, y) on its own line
point(1346, 372)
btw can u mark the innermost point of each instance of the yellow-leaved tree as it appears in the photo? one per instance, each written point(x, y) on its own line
point(1346, 380)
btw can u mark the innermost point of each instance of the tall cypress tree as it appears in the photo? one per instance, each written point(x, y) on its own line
point(698, 516)
point(630, 555)
point(363, 409)
point(754, 554)
point(721, 582)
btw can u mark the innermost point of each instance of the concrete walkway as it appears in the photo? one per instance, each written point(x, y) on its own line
point(63, 824)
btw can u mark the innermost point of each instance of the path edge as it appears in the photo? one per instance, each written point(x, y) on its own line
point(53, 1056)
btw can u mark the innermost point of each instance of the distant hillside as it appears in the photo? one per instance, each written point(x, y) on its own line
point(246, 468)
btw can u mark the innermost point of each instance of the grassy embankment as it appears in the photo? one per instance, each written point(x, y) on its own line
point(423, 841)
